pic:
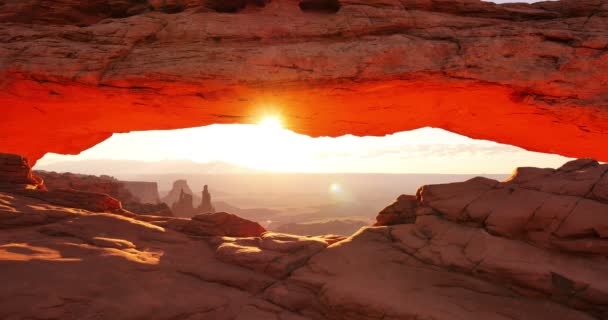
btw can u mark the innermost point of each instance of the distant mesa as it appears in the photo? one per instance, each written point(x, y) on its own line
point(183, 206)
point(135, 196)
point(136, 168)
point(174, 194)
point(206, 206)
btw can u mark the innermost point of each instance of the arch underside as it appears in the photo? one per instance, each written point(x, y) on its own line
point(533, 76)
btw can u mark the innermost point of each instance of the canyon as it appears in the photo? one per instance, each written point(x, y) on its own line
point(532, 246)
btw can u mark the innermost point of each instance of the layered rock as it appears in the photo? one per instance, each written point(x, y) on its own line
point(183, 205)
point(216, 224)
point(556, 208)
point(343, 227)
point(15, 173)
point(439, 259)
point(182, 200)
point(370, 68)
point(16, 177)
point(389, 272)
point(88, 183)
point(175, 193)
point(145, 192)
point(63, 183)
point(205, 206)
point(80, 265)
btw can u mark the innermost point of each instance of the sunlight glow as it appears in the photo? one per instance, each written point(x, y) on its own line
point(335, 188)
point(271, 123)
point(270, 147)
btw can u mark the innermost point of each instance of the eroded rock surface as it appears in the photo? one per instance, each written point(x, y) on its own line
point(563, 208)
point(531, 247)
point(216, 224)
point(15, 173)
point(63, 184)
point(328, 67)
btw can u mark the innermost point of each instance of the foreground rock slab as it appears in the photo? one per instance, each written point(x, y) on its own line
point(531, 247)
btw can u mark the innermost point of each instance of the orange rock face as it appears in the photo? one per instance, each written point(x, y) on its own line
point(529, 75)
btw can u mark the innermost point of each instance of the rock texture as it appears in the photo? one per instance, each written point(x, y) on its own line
point(146, 192)
point(63, 183)
point(183, 206)
point(174, 194)
point(344, 227)
point(531, 247)
point(328, 67)
point(88, 183)
point(15, 172)
point(16, 177)
point(182, 200)
point(564, 209)
point(216, 224)
point(205, 206)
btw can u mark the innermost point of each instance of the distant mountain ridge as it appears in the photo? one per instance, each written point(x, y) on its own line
point(118, 167)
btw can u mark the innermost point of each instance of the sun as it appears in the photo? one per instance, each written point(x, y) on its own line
point(271, 123)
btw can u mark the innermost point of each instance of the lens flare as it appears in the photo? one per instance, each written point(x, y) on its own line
point(335, 188)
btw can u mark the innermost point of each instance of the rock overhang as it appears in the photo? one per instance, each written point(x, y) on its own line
point(529, 75)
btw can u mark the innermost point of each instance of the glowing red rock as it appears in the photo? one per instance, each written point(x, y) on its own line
point(529, 75)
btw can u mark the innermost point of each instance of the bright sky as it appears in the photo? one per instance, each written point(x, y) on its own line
point(268, 146)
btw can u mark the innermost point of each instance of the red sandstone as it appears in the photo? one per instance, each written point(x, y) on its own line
point(529, 75)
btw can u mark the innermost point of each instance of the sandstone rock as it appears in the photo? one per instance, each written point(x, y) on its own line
point(145, 192)
point(392, 282)
point(17, 178)
point(17, 210)
point(158, 209)
point(274, 254)
point(451, 199)
point(575, 178)
point(472, 250)
point(61, 183)
point(506, 211)
point(96, 202)
point(342, 227)
point(86, 183)
point(118, 267)
point(205, 206)
point(183, 205)
point(549, 208)
point(15, 173)
point(540, 263)
point(176, 191)
point(600, 190)
point(542, 63)
point(403, 210)
point(217, 224)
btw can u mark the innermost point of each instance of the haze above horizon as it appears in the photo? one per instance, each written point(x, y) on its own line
point(269, 147)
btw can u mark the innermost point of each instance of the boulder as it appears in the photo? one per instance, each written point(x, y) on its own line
point(217, 224)
point(560, 208)
point(15, 173)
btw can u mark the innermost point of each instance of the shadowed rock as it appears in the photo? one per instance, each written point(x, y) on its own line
point(480, 249)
